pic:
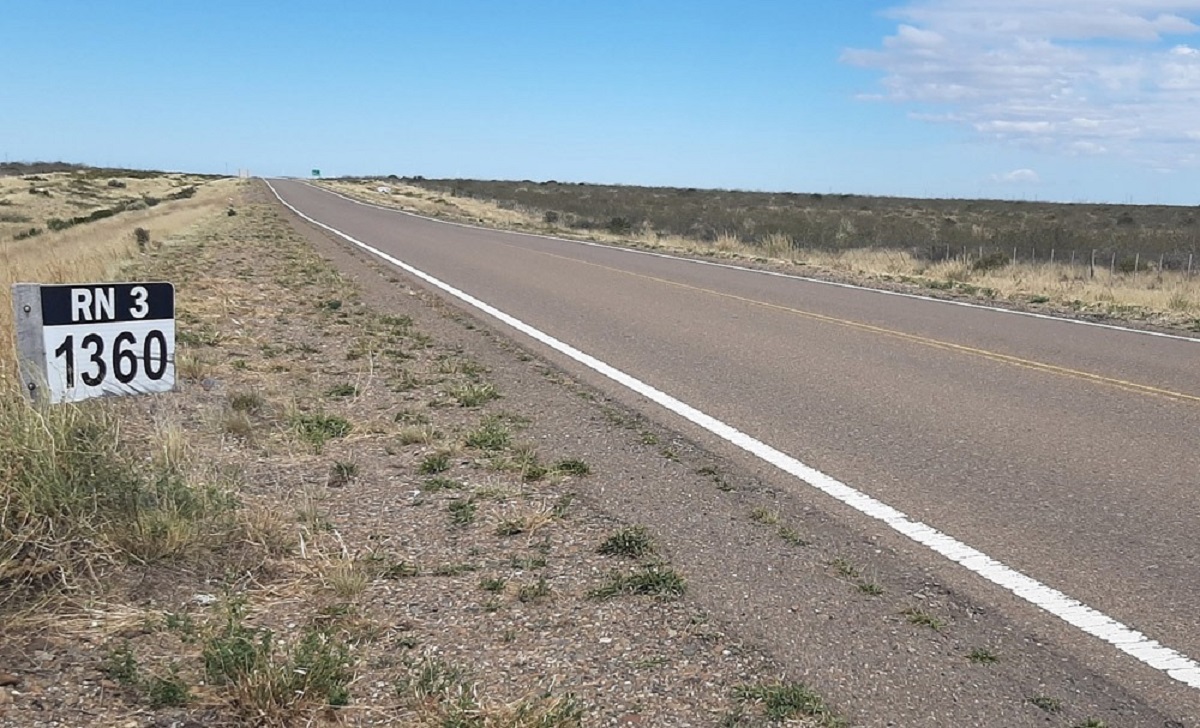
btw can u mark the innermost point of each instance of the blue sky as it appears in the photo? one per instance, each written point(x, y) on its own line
point(1029, 99)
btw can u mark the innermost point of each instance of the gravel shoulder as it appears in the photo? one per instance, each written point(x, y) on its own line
point(430, 502)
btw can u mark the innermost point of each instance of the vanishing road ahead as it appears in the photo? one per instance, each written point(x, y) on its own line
point(1065, 452)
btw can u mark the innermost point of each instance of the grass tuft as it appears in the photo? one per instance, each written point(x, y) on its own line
point(632, 542)
point(983, 656)
point(923, 618)
point(443, 695)
point(75, 496)
point(342, 472)
point(791, 536)
point(764, 515)
point(1046, 703)
point(512, 527)
point(844, 568)
point(655, 581)
point(491, 436)
point(317, 428)
point(248, 402)
point(495, 586)
point(435, 485)
point(572, 466)
point(535, 592)
point(417, 435)
point(168, 691)
point(473, 394)
point(272, 682)
point(121, 665)
point(434, 463)
point(786, 702)
point(462, 511)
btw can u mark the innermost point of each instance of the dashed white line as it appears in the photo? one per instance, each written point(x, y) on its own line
point(1073, 612)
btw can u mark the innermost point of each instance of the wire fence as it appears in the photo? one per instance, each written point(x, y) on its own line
point(1089, 263)
point(1094, 259)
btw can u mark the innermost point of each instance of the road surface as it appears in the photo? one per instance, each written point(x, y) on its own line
point(1067, 453)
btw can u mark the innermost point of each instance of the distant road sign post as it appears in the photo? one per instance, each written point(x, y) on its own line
point(316, 173)
point(85, 340)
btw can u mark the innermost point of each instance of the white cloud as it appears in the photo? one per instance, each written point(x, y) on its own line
point(909, 36)
point(1018, 177)
point(1003, 127)
point(1061, 75)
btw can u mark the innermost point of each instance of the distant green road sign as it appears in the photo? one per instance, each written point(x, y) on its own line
point(316, 173)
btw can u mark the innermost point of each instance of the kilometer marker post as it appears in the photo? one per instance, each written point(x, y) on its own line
point(84, 340)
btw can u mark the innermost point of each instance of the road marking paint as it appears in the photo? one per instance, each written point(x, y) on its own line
point(776, 274)
point(1091, 621)
point(915, 338)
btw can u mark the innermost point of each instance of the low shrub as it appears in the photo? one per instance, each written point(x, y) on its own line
point(991, 261)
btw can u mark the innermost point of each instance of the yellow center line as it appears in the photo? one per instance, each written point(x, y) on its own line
point(1126, 385)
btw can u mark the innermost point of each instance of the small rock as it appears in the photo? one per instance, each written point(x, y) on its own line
point(5, 699)
point(204, 600)
point(9, 680)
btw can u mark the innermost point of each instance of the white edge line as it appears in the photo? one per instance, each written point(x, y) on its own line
point(776, 274)
point(1093, 622)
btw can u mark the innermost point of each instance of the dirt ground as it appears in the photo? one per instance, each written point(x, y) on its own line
point(445, 530)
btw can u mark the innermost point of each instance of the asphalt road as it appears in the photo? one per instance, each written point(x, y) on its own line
point(1066, 452)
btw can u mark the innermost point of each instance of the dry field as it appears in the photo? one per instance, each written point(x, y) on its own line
point(960, 249)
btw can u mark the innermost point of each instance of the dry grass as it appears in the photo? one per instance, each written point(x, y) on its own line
point(78, 494)
point(1170, 295)
point(432, 204)
point(73, 193)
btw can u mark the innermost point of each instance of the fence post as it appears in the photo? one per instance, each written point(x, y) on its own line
point(1112, 266)
point(1137, 260)
point(1014, 255)
point(1162, 258)
point(1092, 266)
point(1190, 265)
point(1051, 256)
point(1072, 258)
